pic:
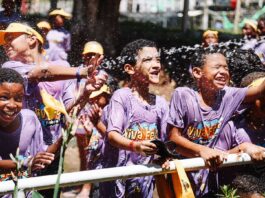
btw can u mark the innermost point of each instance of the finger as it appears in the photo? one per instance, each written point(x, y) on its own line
point(149, 144)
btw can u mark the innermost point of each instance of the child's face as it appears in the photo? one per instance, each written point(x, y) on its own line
point(214, 74)
point(210, 39)
point(101, 100)
point(11, 95)
point(148, 66)
point(16, 45)
point(59, 21)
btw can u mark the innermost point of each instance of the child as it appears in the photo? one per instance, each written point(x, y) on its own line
point(197, 116)
point(94, 135)
point(58, 37)
point(135, 117)
point(20, 128)
point(23, 46)
point(250, 129)
point(209, 37)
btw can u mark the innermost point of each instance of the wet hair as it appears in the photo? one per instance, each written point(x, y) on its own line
point(199, 56)
point(243, 62)
point(248, 183)
point(130, 51)
point(10, 76)
point(248, 79)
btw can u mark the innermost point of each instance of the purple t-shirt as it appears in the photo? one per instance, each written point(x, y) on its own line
point(136, 121)
point(59, 37)
point(63, 90)
point(202, 125)
point(28, 137)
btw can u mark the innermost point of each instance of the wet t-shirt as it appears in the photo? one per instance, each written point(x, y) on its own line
point(28, 137)
point(135, 121)
point(202, 125)
point(63, 90)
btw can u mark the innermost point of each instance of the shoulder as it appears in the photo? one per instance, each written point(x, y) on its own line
point(11, 64)
point(27, 113)
point(183, 92)
point(122, 93)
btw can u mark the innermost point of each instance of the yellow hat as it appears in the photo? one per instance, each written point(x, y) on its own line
point(19, 28)
point(103, 89)
point(257, 82)
point(93, 47)
point(206, 33)
point(44, 24)
point(252, 23)
point(60, 12)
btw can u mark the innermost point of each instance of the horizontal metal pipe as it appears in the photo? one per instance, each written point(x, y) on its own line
point(108, 174)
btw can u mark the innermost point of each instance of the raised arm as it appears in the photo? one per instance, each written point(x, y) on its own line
point(255, 92)
point(50, 72)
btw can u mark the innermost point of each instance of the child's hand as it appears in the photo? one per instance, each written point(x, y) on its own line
point(145, 148)
point(41, 160)
point(256, 152)
point(87, 124)
point(93, 64)
point(213, 158)
point(94, 113)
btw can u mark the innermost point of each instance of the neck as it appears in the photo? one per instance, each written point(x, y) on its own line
point(208, 96)
point(31, 56)
point(140, 90)
point(12, 126)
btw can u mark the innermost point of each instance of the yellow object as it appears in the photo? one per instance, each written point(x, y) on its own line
point(206, 33)
point(52, 106)
point(60, 12)
point(252, 23)
point(257, 82)
point(93, 47)
point(19, 28)
point(103, 89)
point(44, 24)
point(181, 183)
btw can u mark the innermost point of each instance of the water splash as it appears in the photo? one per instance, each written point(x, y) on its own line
point(176, 62)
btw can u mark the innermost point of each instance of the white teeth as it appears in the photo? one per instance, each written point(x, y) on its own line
point(10, 113)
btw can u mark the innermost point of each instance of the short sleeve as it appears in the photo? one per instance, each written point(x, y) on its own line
point(176, 110)
point(117, 115)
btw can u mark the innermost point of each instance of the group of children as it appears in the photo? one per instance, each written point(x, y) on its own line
point(209, 120)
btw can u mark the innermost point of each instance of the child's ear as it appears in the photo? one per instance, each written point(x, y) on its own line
point(32, 40)
point(129, 69)
point(196, 72)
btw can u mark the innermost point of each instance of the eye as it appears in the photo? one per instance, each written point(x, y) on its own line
point(147, 59)
point(19, 98)
point(3, 98)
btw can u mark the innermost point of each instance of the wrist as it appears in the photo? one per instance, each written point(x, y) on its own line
point(132, 146)
point(83, 72)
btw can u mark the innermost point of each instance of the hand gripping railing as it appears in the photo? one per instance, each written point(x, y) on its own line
point(100, 175)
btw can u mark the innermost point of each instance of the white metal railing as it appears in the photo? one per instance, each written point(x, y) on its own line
point(77, 178)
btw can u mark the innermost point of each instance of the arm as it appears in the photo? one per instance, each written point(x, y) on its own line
point(255, 92)
point(142, 147)
point(212, 157)
point(7, 165)
point(54, 148)
point(49, 72)
point(256, 152)
point(56, 72)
